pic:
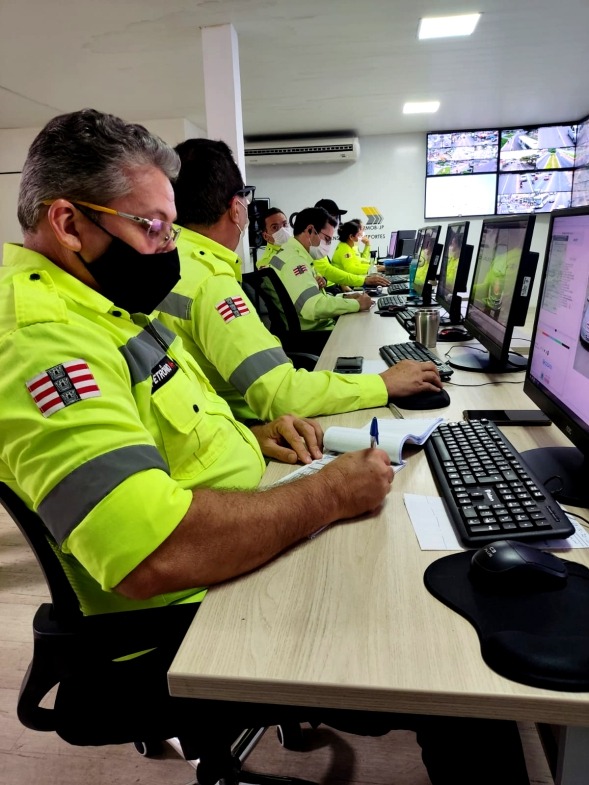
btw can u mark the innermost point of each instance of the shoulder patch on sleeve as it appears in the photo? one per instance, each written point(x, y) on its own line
point(300, 269)
point(231, 307)
point(62, 385)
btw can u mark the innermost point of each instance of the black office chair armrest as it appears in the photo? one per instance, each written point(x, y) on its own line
point(303, 360)
point(114, 635)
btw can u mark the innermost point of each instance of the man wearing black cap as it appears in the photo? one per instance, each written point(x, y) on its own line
point(331, 207)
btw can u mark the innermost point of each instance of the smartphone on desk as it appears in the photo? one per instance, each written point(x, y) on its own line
point(348, 365)
point(508, 416)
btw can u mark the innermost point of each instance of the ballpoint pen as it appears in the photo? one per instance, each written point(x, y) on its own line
point(374, 432)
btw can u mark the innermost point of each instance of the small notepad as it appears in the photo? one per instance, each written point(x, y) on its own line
point(393, 435)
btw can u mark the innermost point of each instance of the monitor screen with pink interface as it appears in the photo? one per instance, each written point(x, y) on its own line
point(560, 355)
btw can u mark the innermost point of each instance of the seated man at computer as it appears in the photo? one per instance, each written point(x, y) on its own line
point(275, 231)
point(243, 361)
point(313, 233)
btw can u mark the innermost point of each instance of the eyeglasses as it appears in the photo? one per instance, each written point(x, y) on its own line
point(326, 237)
point(156, 229)
point(247, 192)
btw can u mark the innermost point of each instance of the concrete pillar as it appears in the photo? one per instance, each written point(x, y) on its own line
point(220, 53)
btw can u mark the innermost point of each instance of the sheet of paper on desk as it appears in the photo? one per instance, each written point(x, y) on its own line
point(374, 366)
point(306, 470)
point(434, 531)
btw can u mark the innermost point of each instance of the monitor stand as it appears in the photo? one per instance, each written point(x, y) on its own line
point(480, 361)
point(564, 472)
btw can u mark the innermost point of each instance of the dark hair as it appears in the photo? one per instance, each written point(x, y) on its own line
point(87, 156)
point(268, 214)
point(348, 229)
point(209, 178)
point(316, 216)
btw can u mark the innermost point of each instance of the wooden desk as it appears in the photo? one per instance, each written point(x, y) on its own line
point(344, 620)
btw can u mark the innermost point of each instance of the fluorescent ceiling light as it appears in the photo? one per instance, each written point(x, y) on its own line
point(447, 26)
point(421, 107)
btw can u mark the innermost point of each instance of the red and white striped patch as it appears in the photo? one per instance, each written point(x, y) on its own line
point(300, 269)
point(231, 308)
point(62, 385)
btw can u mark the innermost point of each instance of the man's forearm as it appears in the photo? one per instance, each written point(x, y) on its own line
point(228, 533)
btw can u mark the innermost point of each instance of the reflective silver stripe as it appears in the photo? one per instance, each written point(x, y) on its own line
point(312, 291)
point(167, 336)
point(76, 495)
point(143, 352)
point(255, 366)
point(276, 262)
point(176, 305)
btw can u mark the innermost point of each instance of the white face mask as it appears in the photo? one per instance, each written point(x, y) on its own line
point(316, 252)
point(282, 236)
point(324, 248)
point(246, 225)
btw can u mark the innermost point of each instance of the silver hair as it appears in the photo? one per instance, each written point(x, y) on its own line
point(87, 156)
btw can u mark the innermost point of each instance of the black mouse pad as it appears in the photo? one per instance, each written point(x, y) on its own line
point(423, 400)
point(540, 638)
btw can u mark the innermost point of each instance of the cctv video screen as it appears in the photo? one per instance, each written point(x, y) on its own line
point(464, 152)
point(581, 175)
point(506, 171)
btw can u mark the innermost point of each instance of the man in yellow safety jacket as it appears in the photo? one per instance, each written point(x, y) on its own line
point(276, 231)
point(219, 326)
point(108, 426)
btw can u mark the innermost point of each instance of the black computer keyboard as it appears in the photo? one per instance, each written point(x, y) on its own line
point(399, 288)
point(406, 319)
point(391, 301)
point(412, 350)
point(404, 279)
point(490, 492)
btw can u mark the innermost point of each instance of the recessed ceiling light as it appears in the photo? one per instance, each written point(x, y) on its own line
point(447, 26)
point(421, 107)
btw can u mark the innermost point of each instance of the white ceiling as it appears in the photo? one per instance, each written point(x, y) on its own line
point(306, 66)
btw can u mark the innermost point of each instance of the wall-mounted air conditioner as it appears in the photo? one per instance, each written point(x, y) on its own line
point(303, 151)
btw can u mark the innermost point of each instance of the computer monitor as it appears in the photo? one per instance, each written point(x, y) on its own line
point(392, 251)
point(418, 241)
point(255, 210)
point(406, 242)
point(454, 268)
point(557, 379)
point(500, 295)
point(427, 263)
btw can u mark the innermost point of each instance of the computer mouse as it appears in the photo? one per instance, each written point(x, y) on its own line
point(508, 565)
point(423, 400)
point(453, 334)
point(392, 311)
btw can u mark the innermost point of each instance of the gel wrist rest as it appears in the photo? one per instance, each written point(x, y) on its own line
point(538, 637)
point(423, 400)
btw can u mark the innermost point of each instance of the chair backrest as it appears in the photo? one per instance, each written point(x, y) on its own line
point(66, 606)
point(282, 314)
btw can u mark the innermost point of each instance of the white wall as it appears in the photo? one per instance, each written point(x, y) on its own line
point(14, 145)
point(389, 175)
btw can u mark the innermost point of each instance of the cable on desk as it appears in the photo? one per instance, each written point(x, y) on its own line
point(579, 517)
point(482, 384)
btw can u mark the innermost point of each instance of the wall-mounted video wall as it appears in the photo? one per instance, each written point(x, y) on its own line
point(507, 170)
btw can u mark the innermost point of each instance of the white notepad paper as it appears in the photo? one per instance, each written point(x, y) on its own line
point(392, 436)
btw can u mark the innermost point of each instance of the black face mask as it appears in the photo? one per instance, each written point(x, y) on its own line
point(137, 282)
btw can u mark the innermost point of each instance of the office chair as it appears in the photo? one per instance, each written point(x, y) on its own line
point(99, 701)
point(282, 319)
